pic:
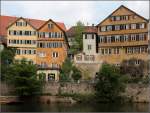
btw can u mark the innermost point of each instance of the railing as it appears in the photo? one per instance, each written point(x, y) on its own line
point(48, 67)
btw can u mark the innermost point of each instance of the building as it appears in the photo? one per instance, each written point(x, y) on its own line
point(123, 35)
point(88, 60)
point(22, 36)
point(71, 32)
point(51, 49)
point(29, 37)
point(149, 47)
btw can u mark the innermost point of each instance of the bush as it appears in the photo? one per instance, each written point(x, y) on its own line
point(23, 76)
point(110, 83)
point(76, 75)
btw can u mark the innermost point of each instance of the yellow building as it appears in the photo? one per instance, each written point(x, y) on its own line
point(123, 35)
point(22, 36)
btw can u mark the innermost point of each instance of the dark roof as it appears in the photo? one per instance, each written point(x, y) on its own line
point(89, 29)
point(117, 10)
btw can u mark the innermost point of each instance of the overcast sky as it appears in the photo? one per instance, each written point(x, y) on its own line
point(69, 12)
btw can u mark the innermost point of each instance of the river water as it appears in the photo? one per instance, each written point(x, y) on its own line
point(78, 107)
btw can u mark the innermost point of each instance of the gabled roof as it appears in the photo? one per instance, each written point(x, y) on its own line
point(22, 19)
point(50, 20)
point(5, 21)
point(89, 29)
point(122, 6)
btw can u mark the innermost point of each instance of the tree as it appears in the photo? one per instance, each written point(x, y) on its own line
point(66, 70)
point(76, 75)
point(110, 83)
point(78, 43)
point(7, 57)
point(23, 76)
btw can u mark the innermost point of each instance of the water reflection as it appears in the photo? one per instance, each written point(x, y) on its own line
point(57, 107)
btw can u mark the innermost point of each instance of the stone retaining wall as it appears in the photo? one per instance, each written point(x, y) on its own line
point(137, 92)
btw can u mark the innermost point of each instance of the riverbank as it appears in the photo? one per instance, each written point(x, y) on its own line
point(71, 92)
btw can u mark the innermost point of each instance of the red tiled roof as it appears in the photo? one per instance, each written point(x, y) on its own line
point(5, 21)
point(89, 29)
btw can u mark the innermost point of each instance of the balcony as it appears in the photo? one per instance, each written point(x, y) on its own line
point(48, 67)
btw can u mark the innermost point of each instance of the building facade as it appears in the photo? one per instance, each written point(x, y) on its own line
point(22, 36)
point(123, 35)
point(51, 49)
point(40, 42)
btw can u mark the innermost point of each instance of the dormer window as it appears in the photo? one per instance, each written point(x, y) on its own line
point(21, 23)
point(50, 26)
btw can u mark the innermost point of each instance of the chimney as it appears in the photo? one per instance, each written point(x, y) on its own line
point(92, 25)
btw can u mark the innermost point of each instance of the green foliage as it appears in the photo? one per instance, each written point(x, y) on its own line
point(7, 56)
point(76, 75)
point(110, 83)
point(78, 44)
point(23, 76)
point(66, 70)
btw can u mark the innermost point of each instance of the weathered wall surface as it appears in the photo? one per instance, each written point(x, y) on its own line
point(6, 89)
point(137, 92)
point(56, 88)
point(88, 70)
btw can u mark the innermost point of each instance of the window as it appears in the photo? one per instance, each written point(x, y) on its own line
point(46, 35)
point(106, 51)
point(79, 58)
point(141, 36)
point(92, 36)
point(109, 51)
point(51, 76)
point(116, 50)
point(117, 38)
point(41, 54)
point(102, 51)
point(117, 18)
point(85, 36)
point(117, 27)
point(125, 37)
point(141, 25)
point(109, 39)
point(89, 36)
point(127, 26)
point(55, 54)
point(125, 18)
point(137, 62)
point(50, 26)
point(103, 28)
point(133, 26)
point(133, 37)
point(109, 28)
point(18, 51)
point(89, 47)
point(101, 39)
